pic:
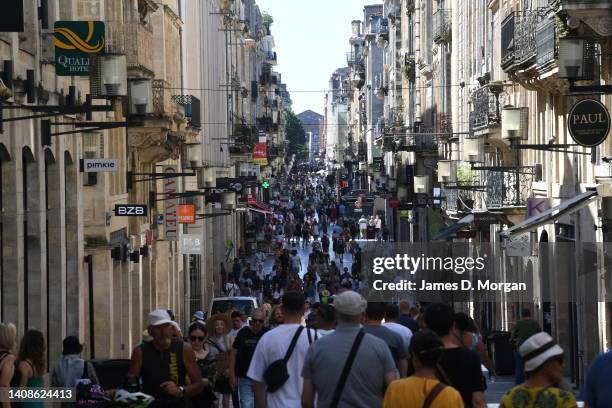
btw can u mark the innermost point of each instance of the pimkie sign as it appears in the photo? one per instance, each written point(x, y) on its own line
point(589, 122)
point(75, 42)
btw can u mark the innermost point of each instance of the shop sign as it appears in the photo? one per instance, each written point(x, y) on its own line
point(130, 210)
point(191, 244)
point(186, 214)
point(75, 43)
point(260, 154)
point(537, 206)
point(96, 165)
point(170, 218)
point(589, 122)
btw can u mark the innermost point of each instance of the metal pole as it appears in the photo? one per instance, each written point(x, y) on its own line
point(89, 260)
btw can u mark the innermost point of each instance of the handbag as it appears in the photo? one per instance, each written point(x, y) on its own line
point(276, 375)
point(347, 369)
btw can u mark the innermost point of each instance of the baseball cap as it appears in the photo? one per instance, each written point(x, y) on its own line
point(350, 303)
point(158, 317)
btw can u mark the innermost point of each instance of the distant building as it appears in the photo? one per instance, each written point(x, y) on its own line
point(312, 122)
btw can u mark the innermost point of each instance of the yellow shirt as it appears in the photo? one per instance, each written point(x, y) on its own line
point(412, 392)
point(537, 397)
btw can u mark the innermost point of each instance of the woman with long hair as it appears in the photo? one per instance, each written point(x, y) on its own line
point(276, 317)
point(8, 340)
point(31, 366)
point(220, 342)
point(197, 335)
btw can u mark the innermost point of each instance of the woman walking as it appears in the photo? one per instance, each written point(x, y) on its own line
point(8, 339)
point(31, 365)
point(220, 342)
point(206, 364)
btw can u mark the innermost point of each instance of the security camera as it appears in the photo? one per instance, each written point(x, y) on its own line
point(607, 159)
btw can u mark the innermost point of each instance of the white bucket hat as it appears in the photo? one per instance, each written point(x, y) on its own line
point(538, 349)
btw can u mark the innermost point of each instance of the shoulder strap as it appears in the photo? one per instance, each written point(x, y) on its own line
point(296, 336)
point(444, 376)
point(347, 368)
point(433, 394)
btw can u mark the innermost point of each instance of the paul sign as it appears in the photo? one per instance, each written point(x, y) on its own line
point(589, 122)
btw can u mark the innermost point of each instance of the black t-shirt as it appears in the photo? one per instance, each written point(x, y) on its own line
point(462, 367)
point(409, 322)
point(245, 344)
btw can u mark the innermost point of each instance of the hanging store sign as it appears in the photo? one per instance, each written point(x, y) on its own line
point(260, 154)
point(186, 214)
point(589, 122)
point(537, 206)
point(170, 205)
point(95, 165)
point(130, 210)
point(75, 43)
point(191, 244)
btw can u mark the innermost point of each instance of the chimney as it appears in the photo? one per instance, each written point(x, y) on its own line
point(356, 24)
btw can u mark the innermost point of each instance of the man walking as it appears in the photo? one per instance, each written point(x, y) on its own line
point(241, 356)
point(459, 367)
point(524, 329)
point(374, 314)
point(274, 346)
point(162, 364)
point(405, 317)
point(363, 226)
point(391, 322)
point(347, 368)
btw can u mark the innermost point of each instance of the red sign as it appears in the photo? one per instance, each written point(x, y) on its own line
point(260, 154)
point(186, 214)
point(393, 202)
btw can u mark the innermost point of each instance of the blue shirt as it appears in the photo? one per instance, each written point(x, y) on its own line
point(597, 392)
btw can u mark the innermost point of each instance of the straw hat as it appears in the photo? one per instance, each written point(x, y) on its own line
point(224, 317)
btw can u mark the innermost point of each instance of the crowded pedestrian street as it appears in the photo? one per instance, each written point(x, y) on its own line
point(306, 204)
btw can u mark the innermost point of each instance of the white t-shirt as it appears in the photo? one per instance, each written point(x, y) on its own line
point(403, 331)
point(363, 223)
point(296, 262)
point(271, 347)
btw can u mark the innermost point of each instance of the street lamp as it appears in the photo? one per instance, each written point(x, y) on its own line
point(421, 184)
point(447, 171)
point(472, 149)
point(141, 96)
point(515, 122)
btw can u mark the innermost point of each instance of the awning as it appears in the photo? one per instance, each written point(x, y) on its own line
point(567, 207)
point(260, 207)
point(456, 227)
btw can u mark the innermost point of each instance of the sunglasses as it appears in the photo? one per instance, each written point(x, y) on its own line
point(257, 320)
point(196, 338)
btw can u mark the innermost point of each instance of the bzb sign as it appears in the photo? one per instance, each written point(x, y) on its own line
point(589, 122)
point(130, 210)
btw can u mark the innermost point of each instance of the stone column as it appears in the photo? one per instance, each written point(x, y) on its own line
point(74, 252)
point(56, 311)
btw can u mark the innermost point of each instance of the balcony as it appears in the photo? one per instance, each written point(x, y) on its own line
point(163, 103)
point(522, 33)
point(456, 200)
point(139, 53)
point(445, 124)
point(442, 26)
point(355, 59)
point(486, 112)
point(265, 124)
point(271, 57)
point(192, 109)
point(507, 189)
point(396, 116)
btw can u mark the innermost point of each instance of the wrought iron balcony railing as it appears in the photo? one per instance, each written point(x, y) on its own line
point(163, 104)
point(486, 112)
point(507, 189)
point(382, 27)
point(442, 26)
point(456, 200)
point(355, 58)
point(192, 109)
point(526, 39)
point(396, 116)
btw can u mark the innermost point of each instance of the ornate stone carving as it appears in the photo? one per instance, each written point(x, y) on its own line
point(601, 25)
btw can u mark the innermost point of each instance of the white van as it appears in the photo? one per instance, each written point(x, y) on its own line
point(225, 304)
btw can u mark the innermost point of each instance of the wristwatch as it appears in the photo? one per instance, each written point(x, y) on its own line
point(182, 390)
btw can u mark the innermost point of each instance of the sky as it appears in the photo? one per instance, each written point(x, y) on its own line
point(312, 39)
